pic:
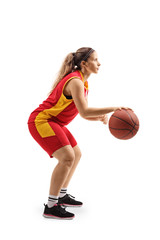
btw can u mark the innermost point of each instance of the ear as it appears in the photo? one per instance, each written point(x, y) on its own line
point(83, 64)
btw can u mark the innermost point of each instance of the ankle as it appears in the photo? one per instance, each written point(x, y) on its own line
point(52, 200)
point(63, 192)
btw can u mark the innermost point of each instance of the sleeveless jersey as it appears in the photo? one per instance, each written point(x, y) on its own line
point(57, 107)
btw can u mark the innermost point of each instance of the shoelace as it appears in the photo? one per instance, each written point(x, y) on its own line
point(61, 208)
point(71, 196)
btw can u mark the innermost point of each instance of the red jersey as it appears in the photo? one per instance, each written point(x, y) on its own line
point(56, 107)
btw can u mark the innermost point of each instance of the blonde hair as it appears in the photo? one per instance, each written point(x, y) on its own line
point(72, 63)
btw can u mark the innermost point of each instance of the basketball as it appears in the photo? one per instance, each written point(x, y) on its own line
point(123, 124)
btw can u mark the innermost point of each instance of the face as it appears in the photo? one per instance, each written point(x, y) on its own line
point(92, 64)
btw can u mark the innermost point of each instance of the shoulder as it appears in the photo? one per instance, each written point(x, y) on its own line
point(74, 80)
point(75, 83)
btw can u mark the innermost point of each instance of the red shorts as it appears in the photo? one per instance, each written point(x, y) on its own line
point(50, 144)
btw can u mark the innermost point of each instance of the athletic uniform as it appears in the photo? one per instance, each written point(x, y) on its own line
point(47, 122)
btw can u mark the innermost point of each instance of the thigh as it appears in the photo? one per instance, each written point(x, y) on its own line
point(70, 137)
point(51, 143)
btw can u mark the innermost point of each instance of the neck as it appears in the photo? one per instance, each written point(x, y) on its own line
point(85, 75)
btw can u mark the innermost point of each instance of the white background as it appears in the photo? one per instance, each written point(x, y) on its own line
point(118, 181)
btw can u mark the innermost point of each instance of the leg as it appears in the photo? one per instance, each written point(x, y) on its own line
point(66, 200)
point(77, 154)
point(66, 157)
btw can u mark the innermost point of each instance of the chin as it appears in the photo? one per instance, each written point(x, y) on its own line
point(95, 71)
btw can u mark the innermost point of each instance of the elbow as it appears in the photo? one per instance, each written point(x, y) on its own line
point(84, 114)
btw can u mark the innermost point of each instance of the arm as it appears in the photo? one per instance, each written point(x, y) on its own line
point(76, 88)
point(93, 118)
point(102, 118)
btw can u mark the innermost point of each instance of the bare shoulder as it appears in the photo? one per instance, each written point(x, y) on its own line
point(75, 82)
point(74, 85)
point(76, 88)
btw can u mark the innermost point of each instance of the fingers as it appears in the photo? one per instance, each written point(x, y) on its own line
point(125, 108)
point(104, 119)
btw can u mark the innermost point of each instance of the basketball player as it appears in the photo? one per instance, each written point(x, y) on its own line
point(47, 125)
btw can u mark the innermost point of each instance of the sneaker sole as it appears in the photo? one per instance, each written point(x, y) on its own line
point(55, 217)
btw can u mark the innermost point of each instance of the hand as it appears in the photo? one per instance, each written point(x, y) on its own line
point(104, 119)
point(120, 108)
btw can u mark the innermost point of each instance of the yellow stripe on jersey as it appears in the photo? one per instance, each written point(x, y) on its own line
point(41, 121)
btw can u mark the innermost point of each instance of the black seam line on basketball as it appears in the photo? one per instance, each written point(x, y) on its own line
point(121, 129)
point(124, 129)
point(131, 117)
point(126, 135)
point(134, 128)
point(123, 120)
point(129, 133)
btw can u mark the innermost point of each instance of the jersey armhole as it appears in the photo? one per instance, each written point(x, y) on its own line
point(69, 97)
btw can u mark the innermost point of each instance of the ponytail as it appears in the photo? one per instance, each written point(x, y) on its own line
point(72, 63)
point(66, 68)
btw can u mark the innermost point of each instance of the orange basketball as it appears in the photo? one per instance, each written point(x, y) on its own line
point(123, 124)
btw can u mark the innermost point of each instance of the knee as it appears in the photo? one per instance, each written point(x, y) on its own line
point(68, 159)
point(77, 153)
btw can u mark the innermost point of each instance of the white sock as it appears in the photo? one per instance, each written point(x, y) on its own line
point(52, 200)
point(63, 192)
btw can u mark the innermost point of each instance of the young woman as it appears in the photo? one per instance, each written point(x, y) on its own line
point(47, 125)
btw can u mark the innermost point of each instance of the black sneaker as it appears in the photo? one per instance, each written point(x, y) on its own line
point(57, 212)
point(69, 201)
